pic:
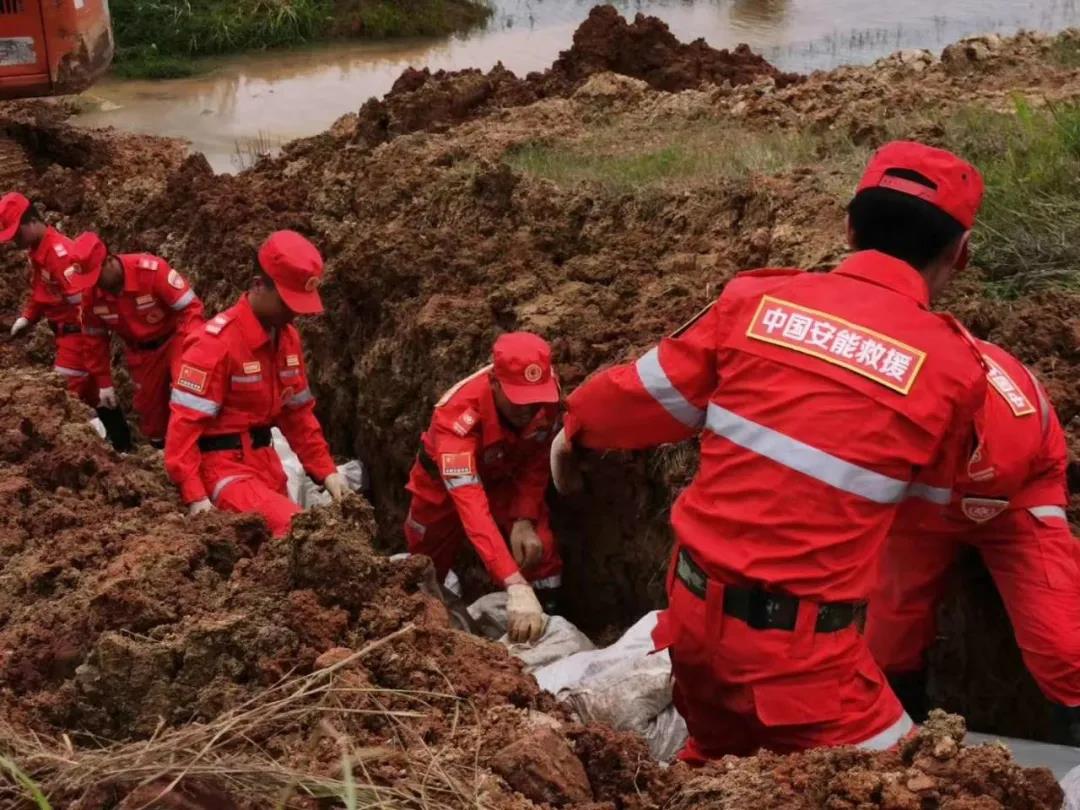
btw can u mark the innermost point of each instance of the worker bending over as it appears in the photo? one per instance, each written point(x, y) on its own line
point(52, 266)
point(482, 472)
point(151, 307)
point(242, 374)
point(1010, 505)
point(822, 401)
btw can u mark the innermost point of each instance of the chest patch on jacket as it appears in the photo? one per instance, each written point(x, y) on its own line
point(454, 464)
point(981, 510)
point(1009, 390)
point(835, 340)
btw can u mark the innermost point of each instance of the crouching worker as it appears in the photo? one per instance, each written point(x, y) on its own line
point(482, 472)
point(151, 308)
point(242, 374)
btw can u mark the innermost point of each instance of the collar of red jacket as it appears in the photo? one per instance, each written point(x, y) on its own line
point(39, 254)
point(886, 271)
point(253, 332)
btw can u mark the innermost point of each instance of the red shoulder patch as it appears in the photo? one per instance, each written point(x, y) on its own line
point(192, 378)
point(454, 465)
point(465, 422)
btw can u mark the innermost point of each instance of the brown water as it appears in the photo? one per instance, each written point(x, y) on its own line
point(257, 102)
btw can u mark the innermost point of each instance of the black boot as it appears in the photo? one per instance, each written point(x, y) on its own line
point(910, 687)
point(116, 428)
point(1067, 725)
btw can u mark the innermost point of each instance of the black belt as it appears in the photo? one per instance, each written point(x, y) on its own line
point(150, 345)
point(428, 463)
point(260, 437)
point(762, 610)
point(65, 328)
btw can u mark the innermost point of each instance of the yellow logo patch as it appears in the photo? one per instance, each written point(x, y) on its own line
point(840, 342)
point(252, 368)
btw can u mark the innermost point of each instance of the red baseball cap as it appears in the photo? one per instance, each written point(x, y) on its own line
point(296, 267)
point(958, 186)
point(523, 369)
point(87, 260)
point(12, 207)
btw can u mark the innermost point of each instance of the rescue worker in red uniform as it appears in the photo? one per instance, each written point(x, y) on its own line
point(242, 374)
point(1009, 504)
point(822, 401)
point(151, 308)
point(482, 472)
point(52, 264)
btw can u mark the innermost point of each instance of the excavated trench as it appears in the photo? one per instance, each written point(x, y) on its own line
point(434, 246)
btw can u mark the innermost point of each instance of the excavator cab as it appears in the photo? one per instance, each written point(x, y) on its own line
point(52, 47)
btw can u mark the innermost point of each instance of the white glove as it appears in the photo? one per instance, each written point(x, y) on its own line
point(199, 506)
point(525, 544)
point(525, 618)
point(20, 324)
point(107, 398)
point(565, 469)
point(335, 485)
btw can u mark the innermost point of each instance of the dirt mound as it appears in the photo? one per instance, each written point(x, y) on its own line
point(645, 49)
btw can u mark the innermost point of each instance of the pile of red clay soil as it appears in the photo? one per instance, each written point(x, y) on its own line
point(645, 49)
point(202, 660)
point(435, 245)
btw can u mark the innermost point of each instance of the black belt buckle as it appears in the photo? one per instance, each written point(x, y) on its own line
point(690, 574)
point(769, 611)
point(226, 441)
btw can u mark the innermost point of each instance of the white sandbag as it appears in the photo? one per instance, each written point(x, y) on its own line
point(302, 490)
point(1071, 785)
point(560, 638)
point(666, 735)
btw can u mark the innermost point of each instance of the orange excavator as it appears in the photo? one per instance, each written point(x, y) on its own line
point(53, 47)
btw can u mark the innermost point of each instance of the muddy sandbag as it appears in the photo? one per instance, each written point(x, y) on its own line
point(560, 639)
point(626, 686)
point(302, 490)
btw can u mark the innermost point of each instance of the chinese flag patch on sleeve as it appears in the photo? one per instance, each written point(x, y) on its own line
point(192, 379)
point(457, 464)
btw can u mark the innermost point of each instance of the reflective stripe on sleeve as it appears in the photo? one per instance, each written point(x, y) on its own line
point(1048, 512)
point(70, 372)
point(185, 299)
point(658, 384)
point(200, 404)
point(889, 737)
point(224, 482)
point(461, 481)
point(803, 458)
point(299, 398)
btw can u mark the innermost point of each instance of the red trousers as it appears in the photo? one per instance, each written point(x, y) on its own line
point(741, 689)
point(71, 364)
point(434, 529)
point(1034, 563)
point(250, 480)
point(153, 372)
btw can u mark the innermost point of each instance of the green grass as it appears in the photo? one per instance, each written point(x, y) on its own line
point(622, 161)
point(24, 783)
point(1066, 52)
point(162, 38)
point(1028, 233)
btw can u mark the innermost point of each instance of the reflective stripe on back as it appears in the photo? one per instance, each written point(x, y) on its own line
point(660, 387)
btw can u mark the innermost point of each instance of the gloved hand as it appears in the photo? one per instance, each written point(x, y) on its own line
point(20, 324)
point(565, 468)
point(335, 485)
point(525, 618)
point(107, 398)
point(199, 506)
point(525, 544)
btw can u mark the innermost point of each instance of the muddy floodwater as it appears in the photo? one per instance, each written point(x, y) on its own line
point(255, 103)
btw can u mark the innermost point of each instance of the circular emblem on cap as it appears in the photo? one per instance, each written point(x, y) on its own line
point(533, 373)
point(312, 283)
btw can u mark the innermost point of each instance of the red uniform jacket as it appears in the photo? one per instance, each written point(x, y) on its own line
point(473, 449)
point(1022, 455)
point(823, 401)
point(49, 294)
point(233, 377)
point(156, 302)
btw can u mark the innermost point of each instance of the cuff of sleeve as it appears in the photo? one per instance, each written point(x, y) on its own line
point(571, 426)
point(320, 471)
point(105, 382)
point(525, 510)
point(192, 490)
point(502, 569)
